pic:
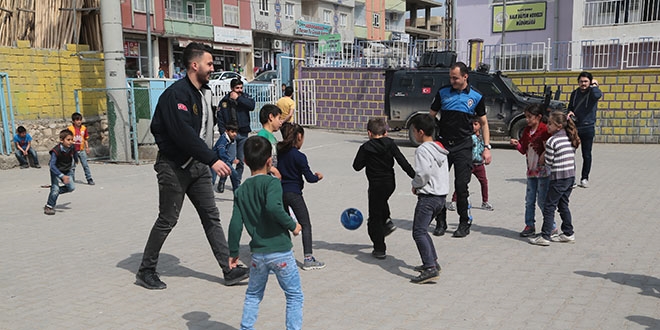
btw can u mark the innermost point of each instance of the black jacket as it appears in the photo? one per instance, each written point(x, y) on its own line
point(176, 124)
point(378, 156)
point(235, 112)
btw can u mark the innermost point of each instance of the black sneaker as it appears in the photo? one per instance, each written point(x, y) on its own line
point(378, 254)
point(90, 182)
point(150, 280)
point(421, 267)
point(426, 275)
point(529, 231)
point(439, 230)
point(390, 227)
point(236, 274)
point(462, 231)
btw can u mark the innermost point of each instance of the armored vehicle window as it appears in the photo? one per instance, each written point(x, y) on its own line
point(406, 82)
point(488, 89)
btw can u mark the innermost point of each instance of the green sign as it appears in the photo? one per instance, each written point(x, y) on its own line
point(520, 17)
point(330, 43)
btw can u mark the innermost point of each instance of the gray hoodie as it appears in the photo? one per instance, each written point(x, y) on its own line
point(432, 169)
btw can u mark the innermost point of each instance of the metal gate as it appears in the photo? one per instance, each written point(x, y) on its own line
point(7, 115)
point(304, 93)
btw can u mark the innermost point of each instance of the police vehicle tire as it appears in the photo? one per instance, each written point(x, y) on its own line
point(518, 128)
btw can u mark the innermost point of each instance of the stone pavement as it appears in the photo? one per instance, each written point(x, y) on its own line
point(75, 270)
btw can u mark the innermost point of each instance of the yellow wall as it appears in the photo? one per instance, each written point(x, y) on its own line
point(42, 81)
point(629, 111)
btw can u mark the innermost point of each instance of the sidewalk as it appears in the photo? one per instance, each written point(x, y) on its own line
point(75, 270)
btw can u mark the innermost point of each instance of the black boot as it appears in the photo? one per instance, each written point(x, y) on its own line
point(462, 230)
point(440, 227)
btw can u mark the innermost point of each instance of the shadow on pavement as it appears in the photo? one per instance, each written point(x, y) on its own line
point(498, 231)
point(519, 180)
point(201, 320)
point(168, 265)
point(649, 322)
point(390, 263)
point(649, 285)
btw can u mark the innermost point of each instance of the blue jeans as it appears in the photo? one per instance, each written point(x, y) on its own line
point(240, 142)
point(22, 160)
point(56, 189)
point(537, 189)
point(428, 206)
point(283, 264)
point(559, 192)
point(82, 156)
point(586, 135)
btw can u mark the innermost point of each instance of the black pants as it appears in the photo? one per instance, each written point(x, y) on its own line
point(460, 157)
point(379, 211)
point(297, 204)
point(173, 184)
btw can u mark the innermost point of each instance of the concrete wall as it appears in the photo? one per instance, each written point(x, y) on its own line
point(346, 99)
point(628, 113)
point(42, 85)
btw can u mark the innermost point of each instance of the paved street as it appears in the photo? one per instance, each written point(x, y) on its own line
point(76, 270)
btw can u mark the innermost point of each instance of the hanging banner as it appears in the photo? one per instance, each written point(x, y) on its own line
point(311, 29)
point(520, 17)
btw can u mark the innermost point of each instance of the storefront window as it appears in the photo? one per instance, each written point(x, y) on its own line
point(136, 58)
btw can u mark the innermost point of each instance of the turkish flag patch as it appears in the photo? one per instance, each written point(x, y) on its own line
point(426, 90)
point(182, 106)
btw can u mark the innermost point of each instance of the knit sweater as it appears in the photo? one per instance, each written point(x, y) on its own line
point(560, 156)
point(258, 207)
point(293, 165)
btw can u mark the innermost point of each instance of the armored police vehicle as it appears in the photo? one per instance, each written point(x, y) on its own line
point(410, 92)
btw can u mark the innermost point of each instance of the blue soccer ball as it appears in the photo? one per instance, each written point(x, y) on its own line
point(351, 218)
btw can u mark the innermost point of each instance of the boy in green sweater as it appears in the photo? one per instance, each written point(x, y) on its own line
point(258, 207)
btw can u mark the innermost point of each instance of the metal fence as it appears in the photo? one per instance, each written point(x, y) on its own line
point(6, 115)
point(618, 12)
point(304, 93)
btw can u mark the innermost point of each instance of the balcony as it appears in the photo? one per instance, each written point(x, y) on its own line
point(187, 17)
point(621, 12)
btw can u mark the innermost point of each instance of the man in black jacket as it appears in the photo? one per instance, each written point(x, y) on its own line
point(182, 126)
point(235, 109)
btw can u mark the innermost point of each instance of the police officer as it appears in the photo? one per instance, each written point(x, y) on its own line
point(182, 126)
point(235, 109)
point(454, 107)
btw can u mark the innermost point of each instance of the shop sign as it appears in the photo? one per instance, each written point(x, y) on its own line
point(330, 43)
point(311, 28)
point(232, 36)
point(520, 17)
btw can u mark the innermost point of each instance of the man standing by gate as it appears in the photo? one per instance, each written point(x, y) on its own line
point(454, 107)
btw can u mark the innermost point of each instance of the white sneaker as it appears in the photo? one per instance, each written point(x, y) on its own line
point(584, 183)
point(451, 206)
point(487, 206)
point(561, 238)
point(539, 240)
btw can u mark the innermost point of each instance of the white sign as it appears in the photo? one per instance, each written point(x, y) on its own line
point(232, 36)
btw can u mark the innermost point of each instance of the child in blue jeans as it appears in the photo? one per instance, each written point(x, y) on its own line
point(258, 207)
point(226, 150)
point(62, 160)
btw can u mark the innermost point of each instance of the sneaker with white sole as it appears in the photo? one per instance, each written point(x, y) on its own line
point(311, 263)
point(451, 206)
point(584, 183)
point(539, 240)
point(487, 206)
point(561, 238)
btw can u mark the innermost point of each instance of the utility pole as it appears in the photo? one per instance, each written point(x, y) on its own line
point(504, 16)
point(115, 81)
point(150, 59)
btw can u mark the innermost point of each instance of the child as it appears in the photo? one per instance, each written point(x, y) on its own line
point(478, 168)
point(23, 143)
point(80, 137)
point(378, 155)
point(258, 207)
point(226, 150)
point(62, 162)
point(292, 165)
point(532, 145)
point(269, 116)
point(560, 156)
point(431, 185)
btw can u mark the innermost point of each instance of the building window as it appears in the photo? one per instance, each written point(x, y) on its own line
point(230, 15)
point(141, 5)
point(263, 7)
point(288, 10)
point(327, 17)
point(376, 21)
point(360, 15)
point(391, 21)
point(343, 20)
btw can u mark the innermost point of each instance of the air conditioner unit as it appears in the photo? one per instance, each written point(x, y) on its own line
point(277, 44)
